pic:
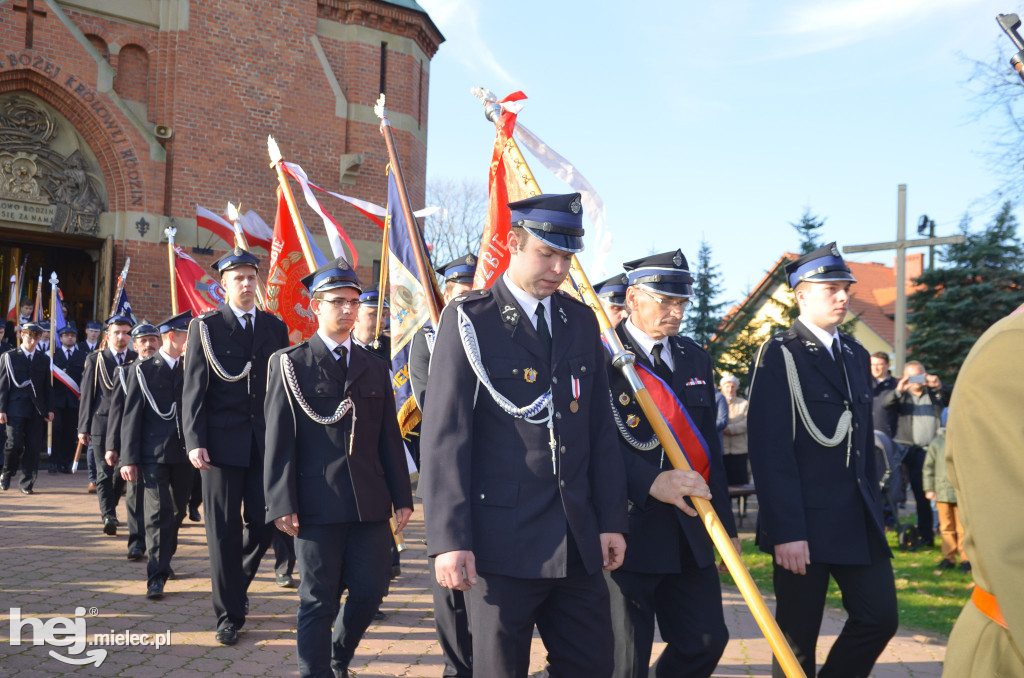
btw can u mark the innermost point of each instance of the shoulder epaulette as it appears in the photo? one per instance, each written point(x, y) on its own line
point(472, 295)
point(289, 349)
point(571, 297)
point(849, 338)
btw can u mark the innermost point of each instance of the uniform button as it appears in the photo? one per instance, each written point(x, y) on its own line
point(554, 380)
point(483, 496)
point(561, 483)
point(515, 372)
point(558, 415)
point(562, 450)
point(583, 369)
point(856, 427)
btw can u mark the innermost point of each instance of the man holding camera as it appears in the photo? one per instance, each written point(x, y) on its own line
point(918, 400)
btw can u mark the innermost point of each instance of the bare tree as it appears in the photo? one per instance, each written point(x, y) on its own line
point(998, 92)
point(455, 229)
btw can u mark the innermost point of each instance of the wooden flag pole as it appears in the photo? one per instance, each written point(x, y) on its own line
point(276, 161)
point(170, 232)
point(623, 360)
point(241, 241)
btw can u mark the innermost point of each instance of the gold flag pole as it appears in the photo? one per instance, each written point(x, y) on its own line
point(234, 214)
point(170, 232)
point(623, 360)
point(121, 280)
point(276, 161)
point(53, 336)
point(383, 280)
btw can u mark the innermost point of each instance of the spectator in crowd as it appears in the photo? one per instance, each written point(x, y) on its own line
point(737, 471)
point(919, 409)
point(937, 488)
point(883, 383)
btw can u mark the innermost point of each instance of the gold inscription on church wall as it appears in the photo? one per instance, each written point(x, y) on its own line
point(27, 213)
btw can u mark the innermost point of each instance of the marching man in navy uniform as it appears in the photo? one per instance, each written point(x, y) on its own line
point(524, 497)
point(145, 341)
point(365, 328)
point(26, 404)
point(98, 383)
point(612, 295)
point(335, 470)
point(811, 442)
point(669, 573)
point(451, 619)
point(152, 449)
point(71, 358)
point(224, 427)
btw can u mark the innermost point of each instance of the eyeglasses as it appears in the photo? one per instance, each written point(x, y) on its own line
point(341, 302)
point(667, 303)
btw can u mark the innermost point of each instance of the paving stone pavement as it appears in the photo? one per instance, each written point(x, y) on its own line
point(54, 559)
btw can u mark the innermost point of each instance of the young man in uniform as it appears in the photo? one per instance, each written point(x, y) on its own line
point(26, 404)
point(335, 470)
point(612, 295)
point(451, 620)
point(365, 328)
point(524, 499)
point(224, 427)
point(812, 451)
point(146, 341)
point(152, 449)
point(70, 358)
point(98, 383)
point(669, 573)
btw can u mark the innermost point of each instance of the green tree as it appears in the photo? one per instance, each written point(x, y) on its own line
point(705, 312)
point(809, 230)
point(982, 281)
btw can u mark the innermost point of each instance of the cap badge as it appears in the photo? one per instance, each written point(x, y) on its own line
point(510, 315)
point(623, 399)
point(677, 260)
point(530, 375)
point(632, 421)
point(835, 250)
point(575, 205)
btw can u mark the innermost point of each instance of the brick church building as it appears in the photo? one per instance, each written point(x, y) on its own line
point(118, 118)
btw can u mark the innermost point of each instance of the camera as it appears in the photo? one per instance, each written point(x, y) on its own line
point(916, 379)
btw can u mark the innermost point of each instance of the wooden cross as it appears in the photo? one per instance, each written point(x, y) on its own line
point(31, 12)
point(900, 245)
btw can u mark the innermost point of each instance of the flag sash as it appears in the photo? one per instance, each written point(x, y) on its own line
point(65, 378)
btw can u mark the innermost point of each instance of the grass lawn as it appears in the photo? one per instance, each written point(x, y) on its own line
point(929, 599)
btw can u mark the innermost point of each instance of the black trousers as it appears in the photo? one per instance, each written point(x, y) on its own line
point(26, 437)
point(195, 497)
point(737, 468)
point(236, 534)
point(166, 491)
point(108, 481)
point(571, 613)
point(914, 461)
point(451, 621)
point(284, 552)
point(65, 437)
point(688, 608)
point(135, 506)
point(869, 596)
point(333, 558)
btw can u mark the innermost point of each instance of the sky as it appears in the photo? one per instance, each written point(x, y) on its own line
point(726, 120)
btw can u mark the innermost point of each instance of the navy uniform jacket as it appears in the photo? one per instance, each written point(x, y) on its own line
point(33, 398)
point(224, 416)
point(310, 469)
point(64, 397)
point(654, 526)
point(487, 478)
point(100, 371)
point(146, 437)
point(115, 413)
point(419, 365)
point(806, 491)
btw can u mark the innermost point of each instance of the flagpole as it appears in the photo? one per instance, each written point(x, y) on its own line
point(38, 311)
point(410, 219)
point(623, 360)
point(117, 293)
point(384, 264)
point(170, 232)
point(234, 214)
point(275, 161)
point(53, 333)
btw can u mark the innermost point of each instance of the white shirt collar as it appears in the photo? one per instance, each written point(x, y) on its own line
point(331, 344)
point(171, 362)
point(114, 352)
point(824, 337)
point(529, 302)
point(27, 354)
point(239, 313)
point(647, 343)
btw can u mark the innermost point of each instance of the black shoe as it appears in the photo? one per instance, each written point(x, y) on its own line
point(946, 564)
point(26, 490)
point(5, 482)
point(52, 469)
point(227, 635)
point(396, 571)
point(965, 566)
point(193, 515)
point(65, 469)
point(171, 574)
point(341, 673)
point(136, 554)
point(378, 615)
point(110, 526)
point(285, 581)
point(155, 590)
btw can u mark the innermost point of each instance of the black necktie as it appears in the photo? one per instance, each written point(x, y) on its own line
point(542, 328)
point(248, 324)
point(837, 355)
point(67, 352)
point(660, 367)
point(120, 359)
point(342, 363)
